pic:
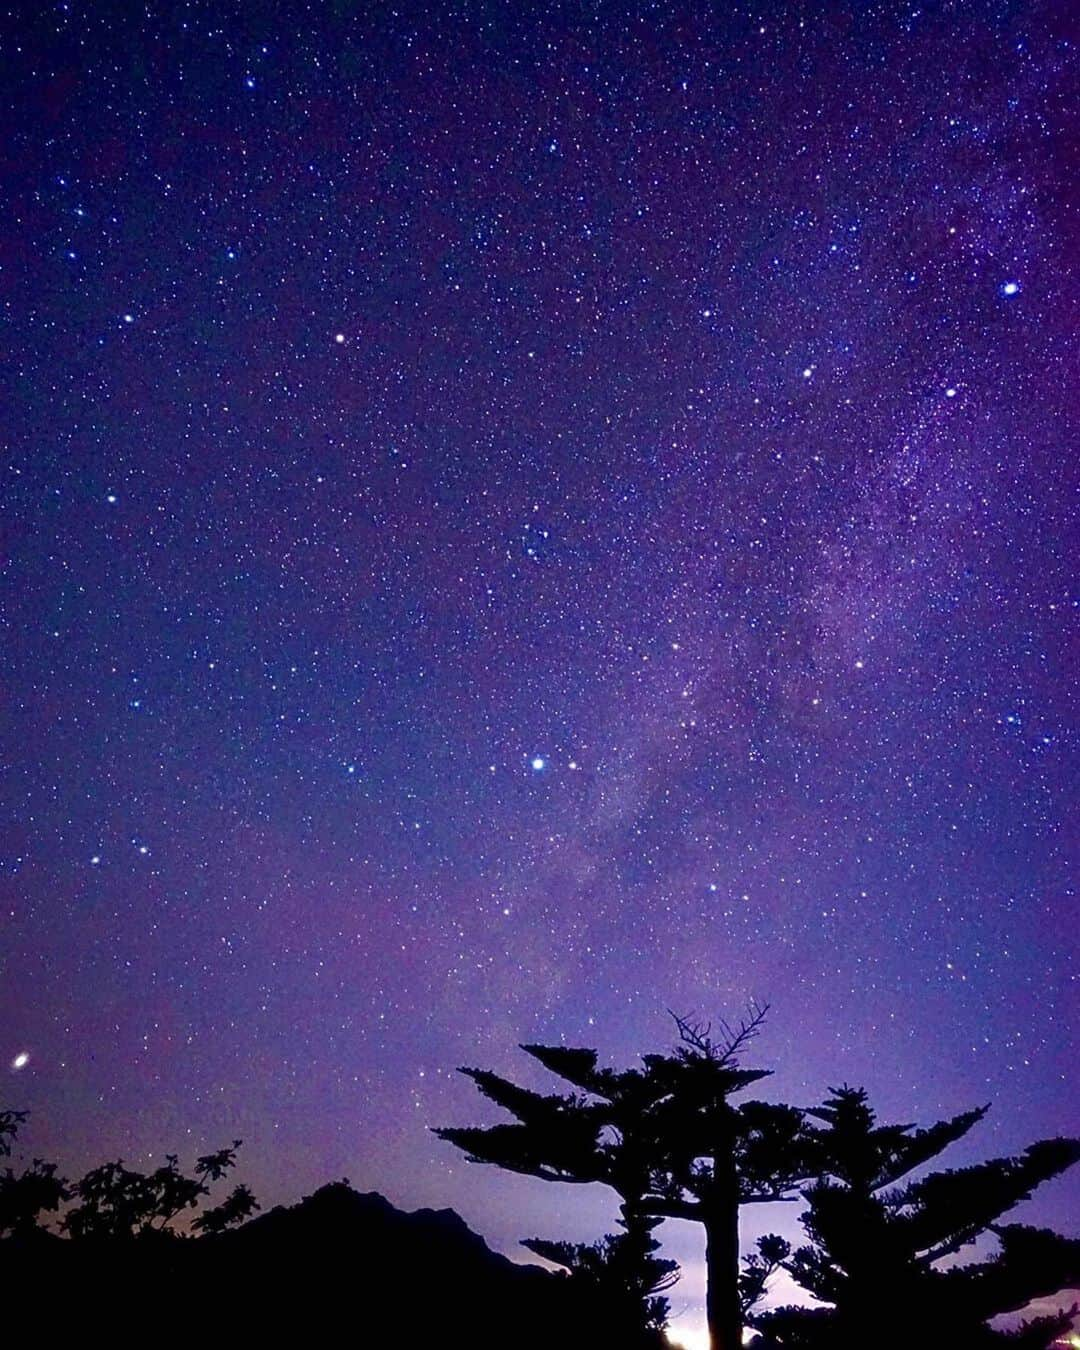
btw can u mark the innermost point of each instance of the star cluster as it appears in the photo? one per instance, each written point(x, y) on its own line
point(516, 518)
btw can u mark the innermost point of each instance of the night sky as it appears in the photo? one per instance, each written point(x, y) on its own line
point(520, 517)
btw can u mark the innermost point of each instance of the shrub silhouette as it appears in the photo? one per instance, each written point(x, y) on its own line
point(118, 1203)
point(26, 1195)
point(113, 1202)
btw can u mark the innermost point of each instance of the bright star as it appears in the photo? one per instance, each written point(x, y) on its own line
point(538, 764)
point(339, 338)
point(1010, 288)
point(21, 1060)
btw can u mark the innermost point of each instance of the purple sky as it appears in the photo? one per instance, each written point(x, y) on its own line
point(517, 517)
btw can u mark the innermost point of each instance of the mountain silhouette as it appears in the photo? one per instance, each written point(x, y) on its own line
point(339, 1267)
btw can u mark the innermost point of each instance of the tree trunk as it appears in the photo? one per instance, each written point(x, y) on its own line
point(722, 1310)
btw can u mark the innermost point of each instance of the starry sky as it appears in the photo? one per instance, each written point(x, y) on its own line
point(520, 517)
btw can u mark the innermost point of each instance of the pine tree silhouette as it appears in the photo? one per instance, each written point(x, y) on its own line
point(877, 1241)
point(666, 1138)
point(622, 1275)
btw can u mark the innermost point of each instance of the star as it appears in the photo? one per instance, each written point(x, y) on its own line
point(621, 526)
point(21, 1060)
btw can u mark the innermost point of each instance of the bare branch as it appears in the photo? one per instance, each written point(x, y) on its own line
point(733, 1040)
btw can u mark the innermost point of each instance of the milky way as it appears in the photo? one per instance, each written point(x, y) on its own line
point(517, 518)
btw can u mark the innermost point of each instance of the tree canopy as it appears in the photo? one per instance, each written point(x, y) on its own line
point(666, 1137)
point(878, 1240)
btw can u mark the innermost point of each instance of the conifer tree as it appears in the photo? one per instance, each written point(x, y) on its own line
point(622, 1275)
point(877, 1241)
point(666, 1138)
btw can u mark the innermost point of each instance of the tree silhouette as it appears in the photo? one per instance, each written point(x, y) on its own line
point(9, 1128)
point(26, 1195)
point(758, 1269)
point(115, 1202)
point(237, 1206)
point(622, 1275)
point(666, 1138)
point(876, 1244)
